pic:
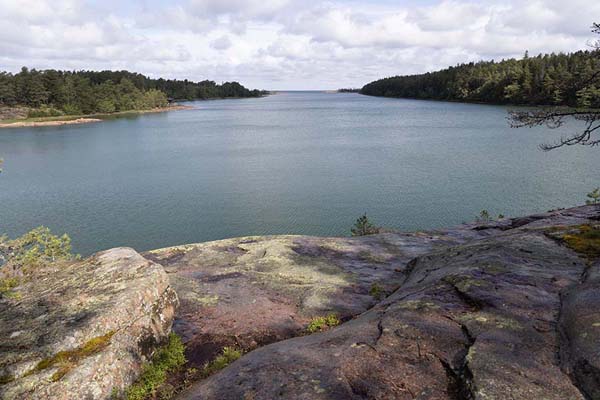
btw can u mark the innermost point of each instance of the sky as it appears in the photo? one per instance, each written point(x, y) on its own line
point(285, 44)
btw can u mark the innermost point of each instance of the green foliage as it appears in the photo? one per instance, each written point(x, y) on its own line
point(377, 291)
point(44, 112)
point(19, 257)
point(484, 216)
point(229, 355)
point(550, 79)
point(319, 324)
point(87, 92)
point(363, 227)
point(593, 196)
point(167, 359)
point(37, 247)
point(586, 240)
point(7, 285)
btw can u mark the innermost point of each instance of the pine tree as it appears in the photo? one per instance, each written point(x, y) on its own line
point(594, 196)
point(364, 227)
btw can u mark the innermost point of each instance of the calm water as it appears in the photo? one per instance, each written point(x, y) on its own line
point(306, 163)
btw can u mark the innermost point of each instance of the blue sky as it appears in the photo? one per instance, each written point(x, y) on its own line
point(284, 44)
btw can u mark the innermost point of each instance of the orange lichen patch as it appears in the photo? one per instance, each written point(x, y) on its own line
point(585, 241)
point(67, 359)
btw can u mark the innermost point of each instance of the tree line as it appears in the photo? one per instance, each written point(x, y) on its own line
point(550, 79)
point(53, 92)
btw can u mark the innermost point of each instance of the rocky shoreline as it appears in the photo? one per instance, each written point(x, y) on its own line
point(87, 119)
point(494, 310)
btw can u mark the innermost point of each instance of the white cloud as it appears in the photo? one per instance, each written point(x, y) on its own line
point(277, 44)
point(221, 43)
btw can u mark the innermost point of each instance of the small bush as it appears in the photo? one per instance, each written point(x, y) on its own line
point(229, 355)
point(484, 216)
point(19, 257)
point(364, 227)
point(319, 324)
point(593, 196)
point(167, 359)
point(7, 285)
point(36, 247)
point(377, 291)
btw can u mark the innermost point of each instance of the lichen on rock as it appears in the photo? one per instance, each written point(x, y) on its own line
point(76, 331)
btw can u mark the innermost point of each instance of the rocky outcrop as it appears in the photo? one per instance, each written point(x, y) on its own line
point(252, 291)
point(580, 329)
point(502, 310)
point(80, 330)
point(499, 310)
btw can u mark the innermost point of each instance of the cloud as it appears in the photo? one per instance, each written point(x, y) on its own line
point(221, 43)
point(278, 44)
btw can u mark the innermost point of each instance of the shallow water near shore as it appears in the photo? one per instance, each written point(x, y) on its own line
point(294, 162)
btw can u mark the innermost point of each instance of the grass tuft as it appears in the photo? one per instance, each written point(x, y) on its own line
point(319, 324)
point(377, 291)
point(169, 358)
point(229, 355)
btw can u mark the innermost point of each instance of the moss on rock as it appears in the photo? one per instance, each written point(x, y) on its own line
point(586, 240)
point(68, 359)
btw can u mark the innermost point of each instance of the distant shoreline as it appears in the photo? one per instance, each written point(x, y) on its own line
point(83, 119)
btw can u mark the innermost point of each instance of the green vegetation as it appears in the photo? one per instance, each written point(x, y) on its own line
point(550, 79)
point(319, 324)
point(229, 355)
point(485, 216)
point(568, 83)
point(377, 291)
point(37, 247)
point(20, 257)
point(66, 360)
point(7, 285)
point(55, 93)
point(586, 241)
point(593, 196)
point(168, 359)
point(363, 227)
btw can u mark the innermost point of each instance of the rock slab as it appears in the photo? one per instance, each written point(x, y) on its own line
point(509, 313)
point(82, 330)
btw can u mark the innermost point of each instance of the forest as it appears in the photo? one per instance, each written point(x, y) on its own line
point(552, 79)
point(53, 93)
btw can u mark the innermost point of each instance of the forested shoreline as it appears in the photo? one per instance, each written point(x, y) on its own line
point(52, 93)
point(552, 79)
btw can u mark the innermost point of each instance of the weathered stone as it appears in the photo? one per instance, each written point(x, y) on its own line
point(580, 328)
point(477, 317)
point(256, 290)
point(79, 330)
